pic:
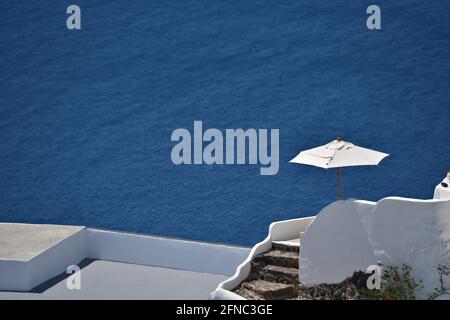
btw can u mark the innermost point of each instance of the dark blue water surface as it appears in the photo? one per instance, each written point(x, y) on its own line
point(86, 116)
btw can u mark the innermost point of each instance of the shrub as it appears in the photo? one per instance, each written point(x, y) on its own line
point(396, 284)
point(443, 271)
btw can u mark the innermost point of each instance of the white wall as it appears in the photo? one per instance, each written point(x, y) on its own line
point(415, 232)
point(164, 252)
point(14, 275)
point(348, 236)
point(55, 260)
point(335, 244)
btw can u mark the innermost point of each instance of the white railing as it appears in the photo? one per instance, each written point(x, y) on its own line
point(278, 231)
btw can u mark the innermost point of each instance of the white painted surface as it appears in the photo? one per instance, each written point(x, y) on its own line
point(61, 246)
point(278, 231)
point(54, 261)
point(441, 192)
point(349, 234)
point(328, 254)
point(114, 280)
point(14, 275)
point(164, 252)
point(415, 232)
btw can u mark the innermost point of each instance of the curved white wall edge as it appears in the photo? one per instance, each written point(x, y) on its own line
point(278, 231)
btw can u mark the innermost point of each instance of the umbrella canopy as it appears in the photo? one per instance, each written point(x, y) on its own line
point(338, 154)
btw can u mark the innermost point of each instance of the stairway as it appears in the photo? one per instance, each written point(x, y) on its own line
point(274, 274)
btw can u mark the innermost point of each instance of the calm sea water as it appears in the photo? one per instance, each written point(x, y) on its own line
point(86, 116)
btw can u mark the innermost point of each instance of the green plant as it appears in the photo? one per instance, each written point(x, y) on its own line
point(397, 283)
point(443, 271)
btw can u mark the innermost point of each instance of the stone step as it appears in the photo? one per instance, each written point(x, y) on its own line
point(248, 294)
point(289, 245)
point(270, 290)
point(280, 274)
point(279, 258)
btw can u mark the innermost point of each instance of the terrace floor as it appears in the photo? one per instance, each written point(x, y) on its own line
point(115, 280)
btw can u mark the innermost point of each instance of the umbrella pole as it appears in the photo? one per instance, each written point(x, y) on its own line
point(339, 184)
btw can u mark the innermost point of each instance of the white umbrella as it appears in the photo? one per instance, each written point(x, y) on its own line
point(338, 154)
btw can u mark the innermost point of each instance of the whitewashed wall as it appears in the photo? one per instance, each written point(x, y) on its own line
point(164, 252)
point(348, 236)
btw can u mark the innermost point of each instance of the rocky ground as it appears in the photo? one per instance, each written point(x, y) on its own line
point(274, 276)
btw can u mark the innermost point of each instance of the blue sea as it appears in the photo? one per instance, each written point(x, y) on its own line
point(86, 115)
